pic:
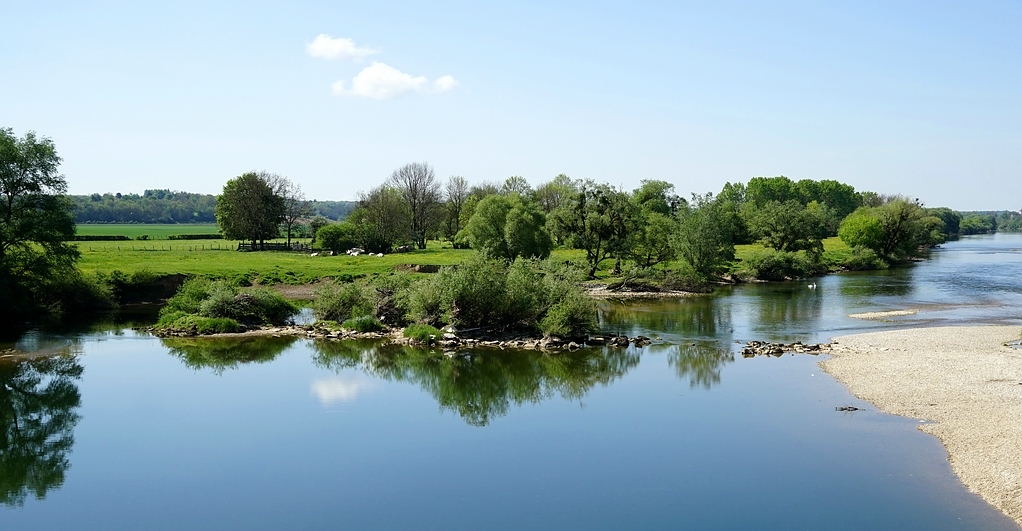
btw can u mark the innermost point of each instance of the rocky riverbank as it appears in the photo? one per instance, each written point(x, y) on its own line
point(448, 339)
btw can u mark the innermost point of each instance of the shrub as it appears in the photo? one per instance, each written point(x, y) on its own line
point(573, 315)
point(363, 323)
point(189, 296)
point(485, 292)
point(341, 301)
point(863, 259)
point(422, 333)
point(221, 300)
point(769, 264)
point(198, 324)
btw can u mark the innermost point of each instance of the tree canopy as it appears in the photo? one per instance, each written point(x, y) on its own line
point(36, 219)
point(508, 227)
point(248, 208)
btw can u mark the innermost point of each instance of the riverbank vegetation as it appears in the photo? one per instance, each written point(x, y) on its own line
point(649, 238)
point(481, 292)
point(203, 306)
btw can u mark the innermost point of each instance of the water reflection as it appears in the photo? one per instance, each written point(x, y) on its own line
point(39, 402)
point(703, 317)
point(865, 285)
point(481, 385)
point(700, 364)
point(791, 302)
point(226, 353)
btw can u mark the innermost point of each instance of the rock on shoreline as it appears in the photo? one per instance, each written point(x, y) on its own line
point(446, 340)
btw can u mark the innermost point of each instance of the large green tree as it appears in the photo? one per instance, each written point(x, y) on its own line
point(705, 237)
point(508, 226)
point(249, 209)
point(36, 221)
point(894, 230)
point(790, 226)
point(597, 219)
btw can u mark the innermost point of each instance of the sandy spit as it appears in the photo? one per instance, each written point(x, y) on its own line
point(965, 380)
point(878, 316)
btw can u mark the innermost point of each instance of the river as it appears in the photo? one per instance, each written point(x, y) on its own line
point(121, 430)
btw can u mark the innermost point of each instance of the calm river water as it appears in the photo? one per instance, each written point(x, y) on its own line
point(126, 431)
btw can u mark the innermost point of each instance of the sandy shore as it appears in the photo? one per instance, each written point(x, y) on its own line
point(965, 380)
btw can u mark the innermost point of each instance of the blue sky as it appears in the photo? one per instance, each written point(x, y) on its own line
point(920, 98)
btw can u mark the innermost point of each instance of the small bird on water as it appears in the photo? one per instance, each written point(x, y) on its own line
point(812, 286)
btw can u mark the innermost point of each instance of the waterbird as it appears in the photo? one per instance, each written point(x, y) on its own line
point(812, 286)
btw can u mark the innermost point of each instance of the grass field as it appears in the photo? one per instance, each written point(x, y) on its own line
point(218, 258)
point(154, 231)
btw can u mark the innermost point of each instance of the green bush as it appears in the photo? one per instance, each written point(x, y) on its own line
point(573, 315)
point(339, 302)
point(769, 264)
point(363, 323)
point(422, 333)
point(222, 300)
point(487, 292)
point(863, 259)
point(198, 324)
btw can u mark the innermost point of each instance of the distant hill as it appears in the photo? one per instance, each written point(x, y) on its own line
point(166, 206)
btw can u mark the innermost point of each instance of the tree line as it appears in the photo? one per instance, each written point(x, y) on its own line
point(645, 227)
point(166, 206)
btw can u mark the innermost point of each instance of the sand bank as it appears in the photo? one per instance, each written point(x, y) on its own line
point(965, 380)
point(879, 316)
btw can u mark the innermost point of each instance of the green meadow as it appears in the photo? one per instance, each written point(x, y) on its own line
point(219, 258)
point(153, 231)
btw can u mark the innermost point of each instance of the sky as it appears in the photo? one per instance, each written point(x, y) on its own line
point(916, 98)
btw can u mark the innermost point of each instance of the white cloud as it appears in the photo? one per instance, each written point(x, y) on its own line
point(331, 390)
point(328, 47)
point(381, 81)
point(445, 83)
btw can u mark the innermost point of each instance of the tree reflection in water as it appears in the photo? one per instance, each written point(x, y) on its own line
point(700, 364)
point(482, 385)
point(38, 412)
point(220, 354)
point(707, 317)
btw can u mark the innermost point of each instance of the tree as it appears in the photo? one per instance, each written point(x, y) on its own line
point(516, 184)
point(420, 192)
point(508, 227)
point(316, 223)
point(296, 206)
point(337, 237)
point(552, 194)
point(36, 220)
point(656, 205)
point(457, 194)
point(248, 208)
point(597, 219)
point(894, 230)
point(705, 235)
point(381, 219)
point(790, 227)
